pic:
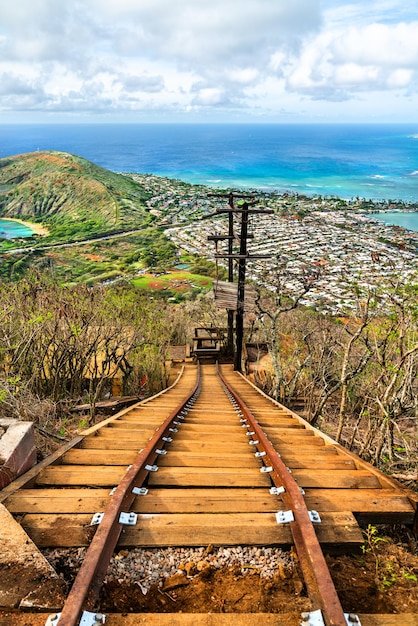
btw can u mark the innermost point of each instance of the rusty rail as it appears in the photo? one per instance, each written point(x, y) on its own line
point(315, 571)
point(86, 587)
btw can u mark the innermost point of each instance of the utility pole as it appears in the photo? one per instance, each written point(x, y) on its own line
point(244, 211)
point(239, 322)
point(230, 239)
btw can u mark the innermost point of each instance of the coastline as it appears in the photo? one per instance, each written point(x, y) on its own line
point(37, 229)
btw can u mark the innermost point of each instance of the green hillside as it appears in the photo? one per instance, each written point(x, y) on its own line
point(72, 196)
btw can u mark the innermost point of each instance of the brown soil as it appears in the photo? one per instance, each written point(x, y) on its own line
point(211, 591)
point(382, 579)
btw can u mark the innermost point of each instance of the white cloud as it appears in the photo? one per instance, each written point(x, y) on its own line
point(341, 61)
point(379, 44)
point(262, 57)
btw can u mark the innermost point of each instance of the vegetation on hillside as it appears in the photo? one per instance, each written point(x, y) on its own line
point(72, 196)
point(100, 230)
point(355, 375)
point(60, 346)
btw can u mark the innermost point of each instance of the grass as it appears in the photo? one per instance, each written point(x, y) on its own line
point(176, 282)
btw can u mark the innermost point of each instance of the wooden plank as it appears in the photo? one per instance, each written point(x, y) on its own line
point(157, 501)
point(100, 457)
point(191, 459)
point(208, 477)
point(358, 500)
point(201, 430)
point(138, 439)
point(93, 475)
point(296, 434)
point(138, 434)
point(199, 459)
point(144, 424)
point(234, 420)
point(104, 443)
point(192, 530)
point(212, 500)
point(301, 444)
point(224, 477)
point(316, 462)
point(184, 443)
point(60, 530)
point(212, 447)
point(235, 529)
point(368, 504)
point(58, 500)
point(339, 479)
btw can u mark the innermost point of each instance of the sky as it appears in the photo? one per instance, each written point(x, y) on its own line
point(208, 61)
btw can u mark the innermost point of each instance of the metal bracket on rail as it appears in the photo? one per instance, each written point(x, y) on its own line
point(276, 491)
point(96, 519)
point(258, 455)
point(265, 469)
point(283, 517)
point(158, 451)
point(128, 519)
point(315, 618)
point(151, 468)
point(140, 491)
point(92, 619)
point(87, 619)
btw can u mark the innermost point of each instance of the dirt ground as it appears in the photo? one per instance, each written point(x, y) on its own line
point(383, 578)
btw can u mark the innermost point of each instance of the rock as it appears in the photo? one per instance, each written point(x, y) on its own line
point(202, 565)
point(122, 553)
point(178, 580)
point(190, 568)
point(26, 577)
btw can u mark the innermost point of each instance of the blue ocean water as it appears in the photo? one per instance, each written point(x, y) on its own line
point(407, 220)
point(378, 161)
point(12, 230)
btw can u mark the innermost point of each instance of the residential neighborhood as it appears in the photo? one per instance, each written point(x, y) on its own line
point(334, 236)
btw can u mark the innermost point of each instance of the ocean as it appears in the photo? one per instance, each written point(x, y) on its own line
point(405, 220)
point(12, 230)
point(372, 161)
point(348, 160)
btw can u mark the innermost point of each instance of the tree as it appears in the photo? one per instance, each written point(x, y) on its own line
point(289, 287)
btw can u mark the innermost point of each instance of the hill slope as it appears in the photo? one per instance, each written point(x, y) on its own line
point(69, 194)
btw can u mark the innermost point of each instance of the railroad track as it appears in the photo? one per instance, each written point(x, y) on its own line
point(210, 461)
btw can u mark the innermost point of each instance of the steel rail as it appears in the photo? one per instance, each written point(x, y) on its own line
point(85, 590)
point(315, 571)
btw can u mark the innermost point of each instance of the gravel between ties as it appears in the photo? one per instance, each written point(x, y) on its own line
point(149, 566)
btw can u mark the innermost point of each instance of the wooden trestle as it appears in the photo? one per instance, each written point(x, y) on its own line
point(208, 488)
